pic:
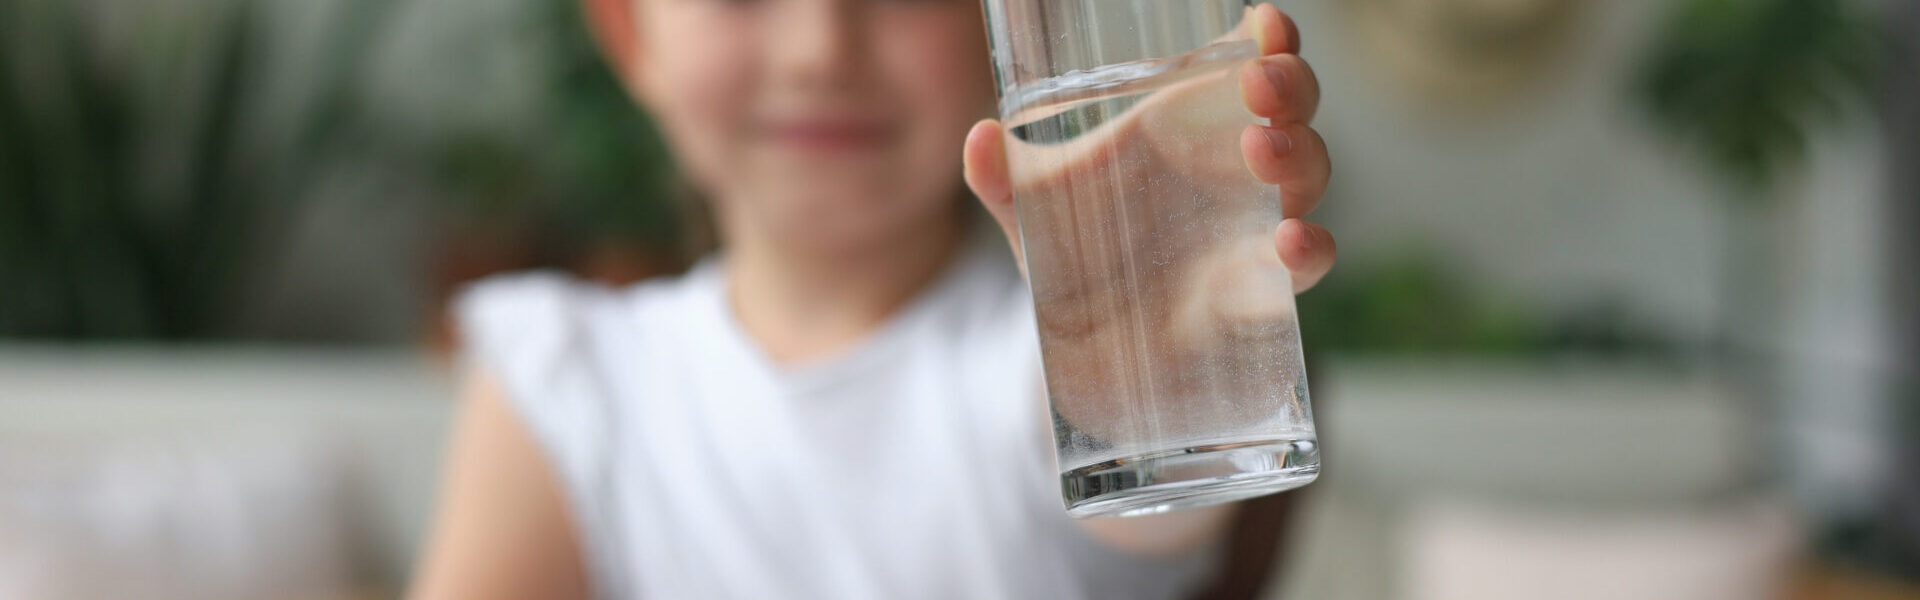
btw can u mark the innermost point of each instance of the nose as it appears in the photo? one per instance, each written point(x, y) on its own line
point(820, 42)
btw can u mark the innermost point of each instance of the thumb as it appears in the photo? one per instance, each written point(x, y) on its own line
point(985, 167)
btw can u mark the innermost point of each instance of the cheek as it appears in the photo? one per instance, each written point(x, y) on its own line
point(939, 70)
point(696, 86)
point(940, 62)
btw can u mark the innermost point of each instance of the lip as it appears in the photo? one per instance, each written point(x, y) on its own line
point(826, 135)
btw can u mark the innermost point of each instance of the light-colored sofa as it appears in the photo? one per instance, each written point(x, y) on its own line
point(232, 472)
point(256, 472)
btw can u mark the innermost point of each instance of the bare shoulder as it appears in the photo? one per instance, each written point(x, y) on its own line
point(501, 529)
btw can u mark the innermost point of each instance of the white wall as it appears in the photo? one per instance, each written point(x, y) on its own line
point(1568, 197)
point(1563, 197)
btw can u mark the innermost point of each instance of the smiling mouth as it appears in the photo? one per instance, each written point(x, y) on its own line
point(823, 136)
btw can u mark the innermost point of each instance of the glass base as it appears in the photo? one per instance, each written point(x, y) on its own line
point(1156, 483)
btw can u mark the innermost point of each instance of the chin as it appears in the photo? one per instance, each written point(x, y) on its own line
point(862, 220)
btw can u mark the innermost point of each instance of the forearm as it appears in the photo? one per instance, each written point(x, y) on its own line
point(1169, 534)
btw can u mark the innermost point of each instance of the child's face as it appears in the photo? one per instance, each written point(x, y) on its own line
point(832, 122)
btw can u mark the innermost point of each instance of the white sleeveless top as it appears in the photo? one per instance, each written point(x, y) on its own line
point(916, 465)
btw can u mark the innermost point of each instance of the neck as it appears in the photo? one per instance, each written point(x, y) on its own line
point(805, 302)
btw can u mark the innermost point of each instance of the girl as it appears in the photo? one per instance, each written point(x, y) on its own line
point(843, 403)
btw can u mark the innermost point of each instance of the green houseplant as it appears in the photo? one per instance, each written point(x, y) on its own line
point(141, 188)
point(1745, 84)
point(589, 171)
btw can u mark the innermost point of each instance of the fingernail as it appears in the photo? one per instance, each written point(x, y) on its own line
point(1276, 76)
point(1282, 144)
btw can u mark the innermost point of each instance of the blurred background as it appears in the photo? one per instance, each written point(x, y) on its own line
point(1626, 306)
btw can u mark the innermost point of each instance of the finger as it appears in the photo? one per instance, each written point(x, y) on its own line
point(1282, 88)
point(984, 165)
point(1274, 30)
point(1293, 156)
point(1307, 250)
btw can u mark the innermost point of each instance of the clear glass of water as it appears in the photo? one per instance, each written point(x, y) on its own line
point(1167, 328)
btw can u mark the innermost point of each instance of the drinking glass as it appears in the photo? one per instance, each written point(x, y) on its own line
point(1166, 319)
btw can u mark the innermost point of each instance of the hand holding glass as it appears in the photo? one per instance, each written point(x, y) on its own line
point(1167, 327)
